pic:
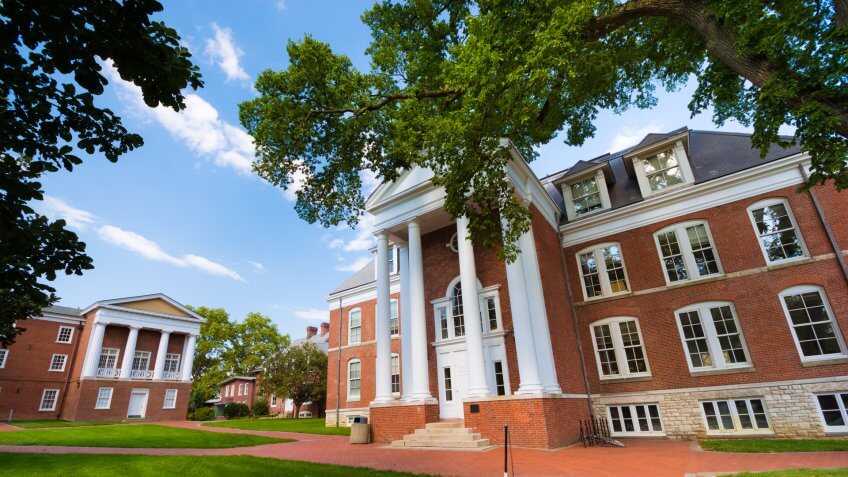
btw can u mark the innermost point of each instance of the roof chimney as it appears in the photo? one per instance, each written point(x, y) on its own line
point(311, 331)
point(325, 328)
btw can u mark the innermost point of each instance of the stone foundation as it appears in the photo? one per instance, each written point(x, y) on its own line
point(540, 421)
point(392, 421)
point(791, 406)
point(344, 414)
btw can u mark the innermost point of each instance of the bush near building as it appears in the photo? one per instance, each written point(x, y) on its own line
point(236, 409)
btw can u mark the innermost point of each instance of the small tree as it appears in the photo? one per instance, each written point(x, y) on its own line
point(233, 410)
point(260, 408)
point(298, 373)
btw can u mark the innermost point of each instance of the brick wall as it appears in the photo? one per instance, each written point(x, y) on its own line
point(389, 423)
point(87, 398)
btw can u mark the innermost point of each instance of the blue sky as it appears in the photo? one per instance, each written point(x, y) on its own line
point(184, 215)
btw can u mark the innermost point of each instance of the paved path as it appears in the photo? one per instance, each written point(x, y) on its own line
point(640, 457)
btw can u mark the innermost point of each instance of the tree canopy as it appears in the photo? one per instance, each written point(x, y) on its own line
point(299, 373)
point(50, 73)
point(448, 78)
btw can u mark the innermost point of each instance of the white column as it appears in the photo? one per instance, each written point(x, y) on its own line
point(538, 313)
point(92, 353)
point(383, 327)
point(188, 356)
point(477, 383)
point(405, 326)
point(129, 353)
point(528, 365)
point(159, 369)
point(421, 373)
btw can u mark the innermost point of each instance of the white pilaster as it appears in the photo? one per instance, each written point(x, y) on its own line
point(188, 356)
point(405, 326)
point(92, 353)
point(477, 383)
point(159, 368)
point(129, 353)
point(383, 391)
point(419, 344)
point(538, 313)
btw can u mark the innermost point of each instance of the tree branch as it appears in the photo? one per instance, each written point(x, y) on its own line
point(388, 99)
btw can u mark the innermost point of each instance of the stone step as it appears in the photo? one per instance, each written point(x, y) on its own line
point(442, 437)
point(445, 425)
point(443, 444)
point(445, 431)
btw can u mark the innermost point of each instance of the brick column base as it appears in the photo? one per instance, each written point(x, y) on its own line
point(538, 421)
point(391, 421)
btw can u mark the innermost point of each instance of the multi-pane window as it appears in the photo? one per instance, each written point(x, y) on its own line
point(735, 416)
point(443, 322)
point(777, 231)
point(354, 326)
point(618, 348)
point(585, 196)
point(104, 398)
point(48, 400)
point(354, 371)
point(141, 361)
point(711, 336)
point(448, 384)
point(172, 362)
point(273, 401)
point(393, 320)
point(3, 354)
point(635, 419)
point(65, 334)
point(811, 319)
point(662, 171)
point(491, 312)
point(108, 358)
point(241, 389)
point(395, 373)
point(456, 308)
point(57, 363)
point(500, 384)
point(687, 252)
point(834, 411)
point(170, 399)
point(247, 389)
point(602, 271)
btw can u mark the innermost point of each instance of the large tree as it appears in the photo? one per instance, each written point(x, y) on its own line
point(448, 78)
point(50, 73)
point(299, 373)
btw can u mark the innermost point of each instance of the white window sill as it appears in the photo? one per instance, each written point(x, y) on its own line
point(615, 296)
point(626, 379)
point(743, 433)
point(56, 370)
point(668, 190)
point(789, 262)
point(353, 400)
point(102, 408)
point(694, 281)
point(836, 359)
point(712, 372)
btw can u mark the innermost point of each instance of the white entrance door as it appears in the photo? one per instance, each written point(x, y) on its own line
point(138, 403)
point(453, 379)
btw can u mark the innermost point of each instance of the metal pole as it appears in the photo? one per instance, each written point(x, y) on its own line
point(339, 372)
point(827, 229)
point(506, 444)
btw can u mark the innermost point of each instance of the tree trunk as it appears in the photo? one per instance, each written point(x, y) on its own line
point(296, 409)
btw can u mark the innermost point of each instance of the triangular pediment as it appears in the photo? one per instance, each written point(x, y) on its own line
point(411, 179)
point(156, 303)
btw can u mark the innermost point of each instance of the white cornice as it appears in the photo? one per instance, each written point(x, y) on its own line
point(361, 293)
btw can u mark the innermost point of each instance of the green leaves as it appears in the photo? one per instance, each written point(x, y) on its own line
point(299, 373)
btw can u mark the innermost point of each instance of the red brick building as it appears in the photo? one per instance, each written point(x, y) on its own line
point(117, 359)
point(682, 287)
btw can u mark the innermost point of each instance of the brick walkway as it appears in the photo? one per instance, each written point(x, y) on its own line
point(640, 457)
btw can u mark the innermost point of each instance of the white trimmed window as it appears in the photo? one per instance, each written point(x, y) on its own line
point(354, 326)
point(65, 334)
point(247, 389)
point(687, 252)
point(141, 361)
point(393, 320)
point(663, 171)
point(172, 362)
point(602, 271)
point(354, 370)
point(834, 411)
point(586, 195)
point(104, 398)
point(226, 391)
point(241, 389)
point(736, 416)
point(394, 263)
point(48, 400)
point(635, 420)
point(57, 363)
point(778, 233)
point(810, 317)
point(712, 338)
point(4, 353)
point(618, 348)
point(170, 399)
point(395, 373)
point(108, 358)
point(273, 401)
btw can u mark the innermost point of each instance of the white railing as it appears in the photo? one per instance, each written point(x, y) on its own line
point(141, 374)
point(171, 376)
point(108, 372)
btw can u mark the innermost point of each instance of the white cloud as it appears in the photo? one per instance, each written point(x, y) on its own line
point(298, 179)
point(312, 314)
point(211, 267)
point(354, 266)
point(363, 238)
point(56, 208)
point(630, 136)
point(223, 50)
point(198, 126)
point(257, 267)
point(281, 5)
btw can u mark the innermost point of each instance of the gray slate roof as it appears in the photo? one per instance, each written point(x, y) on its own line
point(363, 277)
point(63, 310)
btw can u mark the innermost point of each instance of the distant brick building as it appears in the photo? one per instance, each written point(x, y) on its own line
point(682, 287)
point(116, 359)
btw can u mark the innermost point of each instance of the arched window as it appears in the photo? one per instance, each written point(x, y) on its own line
point(687, 252)
point(810, 317)
point(619, 349)
point(456, 310)
point(602, 270)
point(778, 233)
point(712, 337)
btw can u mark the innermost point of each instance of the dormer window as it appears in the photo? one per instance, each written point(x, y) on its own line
point(586, 195)
point(660, 170)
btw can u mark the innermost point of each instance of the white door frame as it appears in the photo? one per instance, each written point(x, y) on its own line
point(449, 353)
point(139, 391)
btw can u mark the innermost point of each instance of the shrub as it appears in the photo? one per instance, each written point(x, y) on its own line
point(236, 409)
point(204, 414)
point(260, 408)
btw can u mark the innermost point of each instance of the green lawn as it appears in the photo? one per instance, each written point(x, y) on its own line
point(141, 436)
point(140, 465)
point(796, 473)
point(42, 423)
point(307, 426)
point(775, 445)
